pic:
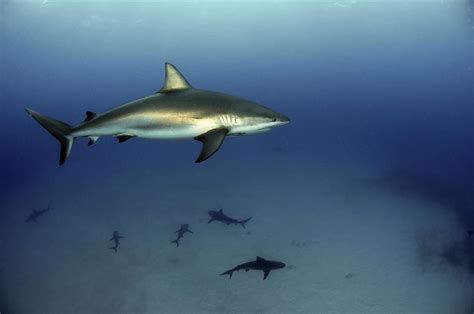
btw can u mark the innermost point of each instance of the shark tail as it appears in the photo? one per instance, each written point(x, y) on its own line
point(243, 222)
point(60, 130)
point(176, 241)
point(229, 272)
point(114, 248)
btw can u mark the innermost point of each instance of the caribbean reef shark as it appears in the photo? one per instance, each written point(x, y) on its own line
point(176, 111)
point(220, 216)
point(182, 230)
point(116, 238)
point(35, 214)
point(259, 264)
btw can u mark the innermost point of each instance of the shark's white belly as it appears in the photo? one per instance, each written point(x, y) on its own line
point(188, 132)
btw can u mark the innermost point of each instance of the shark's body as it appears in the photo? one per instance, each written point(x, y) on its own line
point(182, 230)
point(221, 217)
point(35, 214)
point(116, 238)
point(259, 264)
point(177, 111)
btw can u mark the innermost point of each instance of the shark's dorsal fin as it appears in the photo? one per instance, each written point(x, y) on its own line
point(220, 211)
point(174, 80)
point(89, 116)
point(260, 259)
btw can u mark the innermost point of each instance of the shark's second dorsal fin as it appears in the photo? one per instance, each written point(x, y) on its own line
point(89, 116)
point(174, 80)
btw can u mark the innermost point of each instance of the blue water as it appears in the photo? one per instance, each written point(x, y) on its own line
point(366, 195)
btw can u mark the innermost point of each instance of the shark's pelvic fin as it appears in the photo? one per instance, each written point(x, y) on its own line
point(174, 80)
point(124, 137)
point(211, 142)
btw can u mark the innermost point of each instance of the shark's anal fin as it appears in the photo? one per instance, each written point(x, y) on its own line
point(211, 142)
point(174, 80)
point(92, 140)
point(265, 274)
point(124, 137)
point(89, 116)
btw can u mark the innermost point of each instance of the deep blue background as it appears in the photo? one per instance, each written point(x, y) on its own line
point(391, 83)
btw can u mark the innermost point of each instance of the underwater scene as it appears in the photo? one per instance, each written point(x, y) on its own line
point(237, 156)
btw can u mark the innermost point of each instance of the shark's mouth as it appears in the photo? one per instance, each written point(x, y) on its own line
point(262, 130)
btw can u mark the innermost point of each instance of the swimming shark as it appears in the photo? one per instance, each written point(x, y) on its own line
point(220, 216)
point(35, 214)
point(176, 111)
point(259, 264)
point(182, 230)
point(116, 238)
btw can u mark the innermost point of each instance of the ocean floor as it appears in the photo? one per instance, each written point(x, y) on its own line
point(349, 243)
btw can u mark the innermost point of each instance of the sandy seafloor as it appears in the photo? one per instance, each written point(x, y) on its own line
point(350, 243)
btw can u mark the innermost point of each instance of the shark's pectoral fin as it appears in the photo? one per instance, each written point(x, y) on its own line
point(92, 140)
point(174, 80)
point(265, 274)
point(211, 142)
point(124, 137)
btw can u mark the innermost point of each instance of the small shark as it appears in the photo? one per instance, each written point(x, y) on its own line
point(470, 233)
point(176, 111)
point(259, 264)
point(35, 214)
point(220, 216)
point(116, 237)
point(182, 230)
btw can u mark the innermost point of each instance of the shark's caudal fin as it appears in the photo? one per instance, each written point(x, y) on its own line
point(176, 241)
point(229, 272)
point(60, 130)
point(114, 248)
point(243, 222)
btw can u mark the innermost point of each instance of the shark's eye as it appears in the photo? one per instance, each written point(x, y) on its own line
point(274, 120)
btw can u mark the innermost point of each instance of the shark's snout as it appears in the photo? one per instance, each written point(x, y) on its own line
point(280, 118)
point(284, 119)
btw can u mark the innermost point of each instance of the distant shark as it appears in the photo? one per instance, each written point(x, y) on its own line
point(221, 217)
point(35, 214)
point(176, 111)
point(116, 238)
point(259, 264)
point(182, 230)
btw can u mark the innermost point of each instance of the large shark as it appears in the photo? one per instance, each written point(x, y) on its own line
point(176, 111)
